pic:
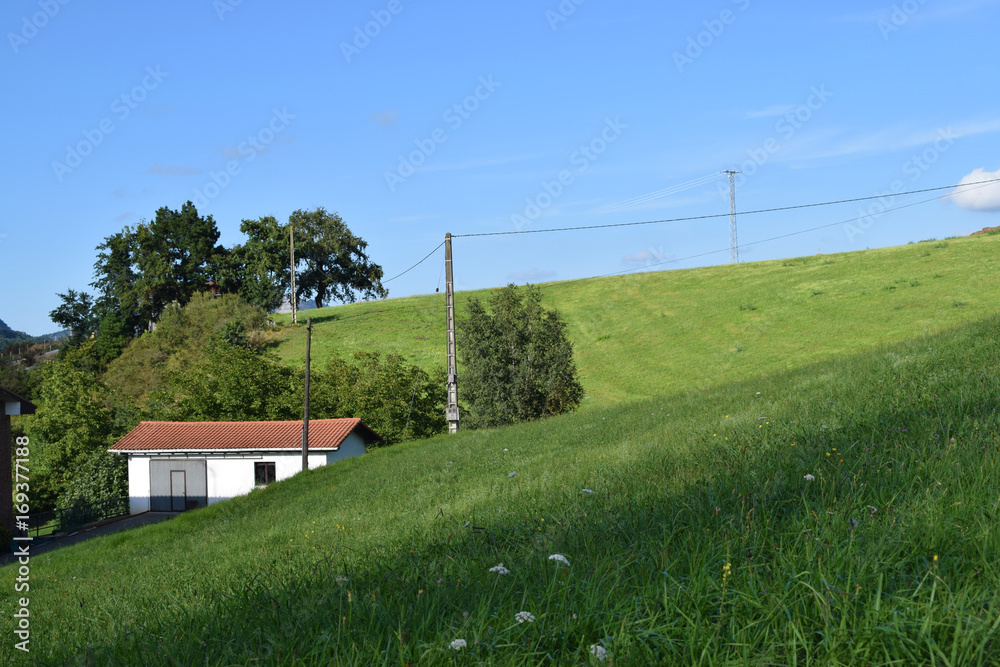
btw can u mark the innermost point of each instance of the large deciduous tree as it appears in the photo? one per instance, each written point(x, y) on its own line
point(258, 270)
point(336, 264)
point(517, 360)
point(177, 255)
point(117, 280)
point(139, 271)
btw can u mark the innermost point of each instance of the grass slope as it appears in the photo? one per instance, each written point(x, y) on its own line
point(702, 542)
point(651, 334)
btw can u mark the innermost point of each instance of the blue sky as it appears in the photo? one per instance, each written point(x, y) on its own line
point(413, 119)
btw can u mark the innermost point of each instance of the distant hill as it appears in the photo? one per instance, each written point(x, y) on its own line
point(8, 336)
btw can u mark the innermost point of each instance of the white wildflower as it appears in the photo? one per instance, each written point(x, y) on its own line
point(559, 558)
point(809, 478)
point(587, 491)
point(341, 580)
point(524, 617)
point(599, 652)
point(458, 644)
point(500, 569)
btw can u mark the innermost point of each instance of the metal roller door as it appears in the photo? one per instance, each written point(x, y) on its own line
point(177, 485)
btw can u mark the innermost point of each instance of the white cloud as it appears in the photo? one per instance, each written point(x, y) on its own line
point(638, 202)
point(644, 256)
point(894, 138)
point(385, 119)
point(771, 111)
point(979, 197)
point(172, 170)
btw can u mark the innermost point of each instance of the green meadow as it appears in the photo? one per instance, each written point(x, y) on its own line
point(784, 463)
point(644, 335)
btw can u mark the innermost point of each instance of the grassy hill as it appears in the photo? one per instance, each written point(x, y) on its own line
point(648, 334)
point(692, 531)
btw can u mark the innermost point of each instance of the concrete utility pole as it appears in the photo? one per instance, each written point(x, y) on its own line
point(734, 248)
point(305, 409)
point(291, 250)
point(451, 412)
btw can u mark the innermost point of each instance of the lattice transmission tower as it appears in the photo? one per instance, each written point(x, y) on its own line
point(734, 248)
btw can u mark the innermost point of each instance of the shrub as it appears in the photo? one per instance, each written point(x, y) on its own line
point(518, 362)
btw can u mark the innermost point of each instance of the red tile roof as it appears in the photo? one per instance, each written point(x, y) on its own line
point(208, 436)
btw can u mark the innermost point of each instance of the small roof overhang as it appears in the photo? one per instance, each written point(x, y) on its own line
point(14, 405)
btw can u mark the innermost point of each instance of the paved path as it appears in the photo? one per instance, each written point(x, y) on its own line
point(39, 546)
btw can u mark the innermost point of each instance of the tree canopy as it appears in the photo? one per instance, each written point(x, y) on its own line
point(336, 264)
point(140, 270)
point(258, 270)
point(75, 314)
point(517, 362)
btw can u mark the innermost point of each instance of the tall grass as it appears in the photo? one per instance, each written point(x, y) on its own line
point(702, 541)
point(653, 334)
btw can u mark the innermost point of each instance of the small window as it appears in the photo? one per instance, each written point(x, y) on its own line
point(263, 473)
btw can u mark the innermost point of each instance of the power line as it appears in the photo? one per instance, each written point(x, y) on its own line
point(782, 236)
point(721, 215)
point(415, 265)
point(420, 367)
point(717, 215)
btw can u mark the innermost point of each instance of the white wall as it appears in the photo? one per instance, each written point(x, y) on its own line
point(228, 478)
point(231, 477)
point(138, 484)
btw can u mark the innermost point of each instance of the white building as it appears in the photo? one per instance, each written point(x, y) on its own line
point(176, 466)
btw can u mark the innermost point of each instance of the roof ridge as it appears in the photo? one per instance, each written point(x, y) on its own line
point(266, 421)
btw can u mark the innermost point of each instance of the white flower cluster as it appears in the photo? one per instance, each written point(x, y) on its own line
point(809, 478)
point(559, 558)
point(524, 617)
point(599, 652)
point(500, 569)
point(458, 644)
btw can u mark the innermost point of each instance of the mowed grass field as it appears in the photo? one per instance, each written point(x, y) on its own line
point(650, 334)
point(834, 510)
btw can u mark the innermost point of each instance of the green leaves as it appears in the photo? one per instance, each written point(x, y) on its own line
point(140, 271)
point(397, 400)
point(337, 267)
point(234, 383)
point(76, 421)
point(258, 270)
point(75, 314)
point(517, 360)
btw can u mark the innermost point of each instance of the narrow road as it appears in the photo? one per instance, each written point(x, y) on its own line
point(43, 545)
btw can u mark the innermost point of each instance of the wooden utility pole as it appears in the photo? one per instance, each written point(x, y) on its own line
point(291, 250)
point(305, 409)
point(451, 412)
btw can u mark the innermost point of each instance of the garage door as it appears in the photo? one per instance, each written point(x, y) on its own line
point(177, 485)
